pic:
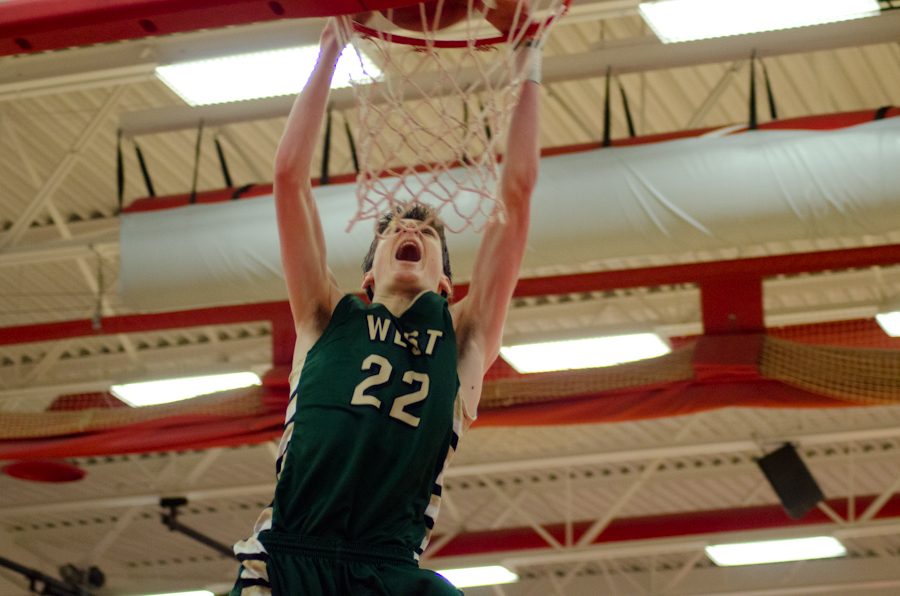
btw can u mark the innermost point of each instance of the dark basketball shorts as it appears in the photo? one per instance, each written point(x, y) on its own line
point(308, 566)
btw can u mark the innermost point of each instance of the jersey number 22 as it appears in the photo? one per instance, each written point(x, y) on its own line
point(398, 409)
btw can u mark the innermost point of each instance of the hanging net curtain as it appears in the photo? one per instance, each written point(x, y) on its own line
point(434, 105)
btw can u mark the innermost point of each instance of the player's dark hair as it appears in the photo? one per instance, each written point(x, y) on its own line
point(418, 212)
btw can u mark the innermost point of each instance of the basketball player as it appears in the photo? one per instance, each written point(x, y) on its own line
point(381, 392)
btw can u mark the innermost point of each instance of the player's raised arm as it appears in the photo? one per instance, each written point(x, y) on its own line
point(311, 292)
point(482, 313)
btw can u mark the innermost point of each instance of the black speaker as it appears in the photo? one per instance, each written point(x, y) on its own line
point(791, 480)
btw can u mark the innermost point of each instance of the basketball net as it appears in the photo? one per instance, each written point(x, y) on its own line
point(433, 106)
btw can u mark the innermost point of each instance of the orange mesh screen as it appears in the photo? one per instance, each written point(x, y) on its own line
point(240, 402)
point(857, 375)
point(559, 385)
point(84, 401)
point(859, 333)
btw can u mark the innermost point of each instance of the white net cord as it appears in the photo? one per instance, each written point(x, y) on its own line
point(430, 118)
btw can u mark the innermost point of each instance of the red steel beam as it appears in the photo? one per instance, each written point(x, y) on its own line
point(28, 26)
point(539, 286)
point(699, 273)
point(690, 523)
point(226, 315)
point(732, 305)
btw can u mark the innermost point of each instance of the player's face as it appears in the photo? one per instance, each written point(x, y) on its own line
point(408, 259)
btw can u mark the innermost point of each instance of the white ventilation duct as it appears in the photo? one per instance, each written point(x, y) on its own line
point(590, 209)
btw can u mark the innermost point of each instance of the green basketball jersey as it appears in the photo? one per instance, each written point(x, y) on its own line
point(373, 419)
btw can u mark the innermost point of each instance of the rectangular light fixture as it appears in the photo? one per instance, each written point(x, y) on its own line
point(776, 551)
point(688, 20)
point(583, 353)
point(469, 577)
point(259, 74)
point(151, 393)
point(889, 322)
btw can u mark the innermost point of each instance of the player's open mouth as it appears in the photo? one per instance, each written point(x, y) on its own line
point(409, 251)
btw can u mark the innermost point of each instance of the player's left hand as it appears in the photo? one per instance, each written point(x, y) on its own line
point(337, 30)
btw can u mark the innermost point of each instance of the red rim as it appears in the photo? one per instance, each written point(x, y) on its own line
point(44, 471)
point(455, 43)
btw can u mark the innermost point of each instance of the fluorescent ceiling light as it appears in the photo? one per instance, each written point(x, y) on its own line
point(258, 74)
point(889, 322)
point(151, 393)
point(468, 577)
point(686, 20)
point(776, 551)
point(584, 353)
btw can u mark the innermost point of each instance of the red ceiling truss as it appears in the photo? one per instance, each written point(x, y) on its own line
point(717, 279)
point(714, 277)
point(728, 354)
point(28, 26)
point(682, 524)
